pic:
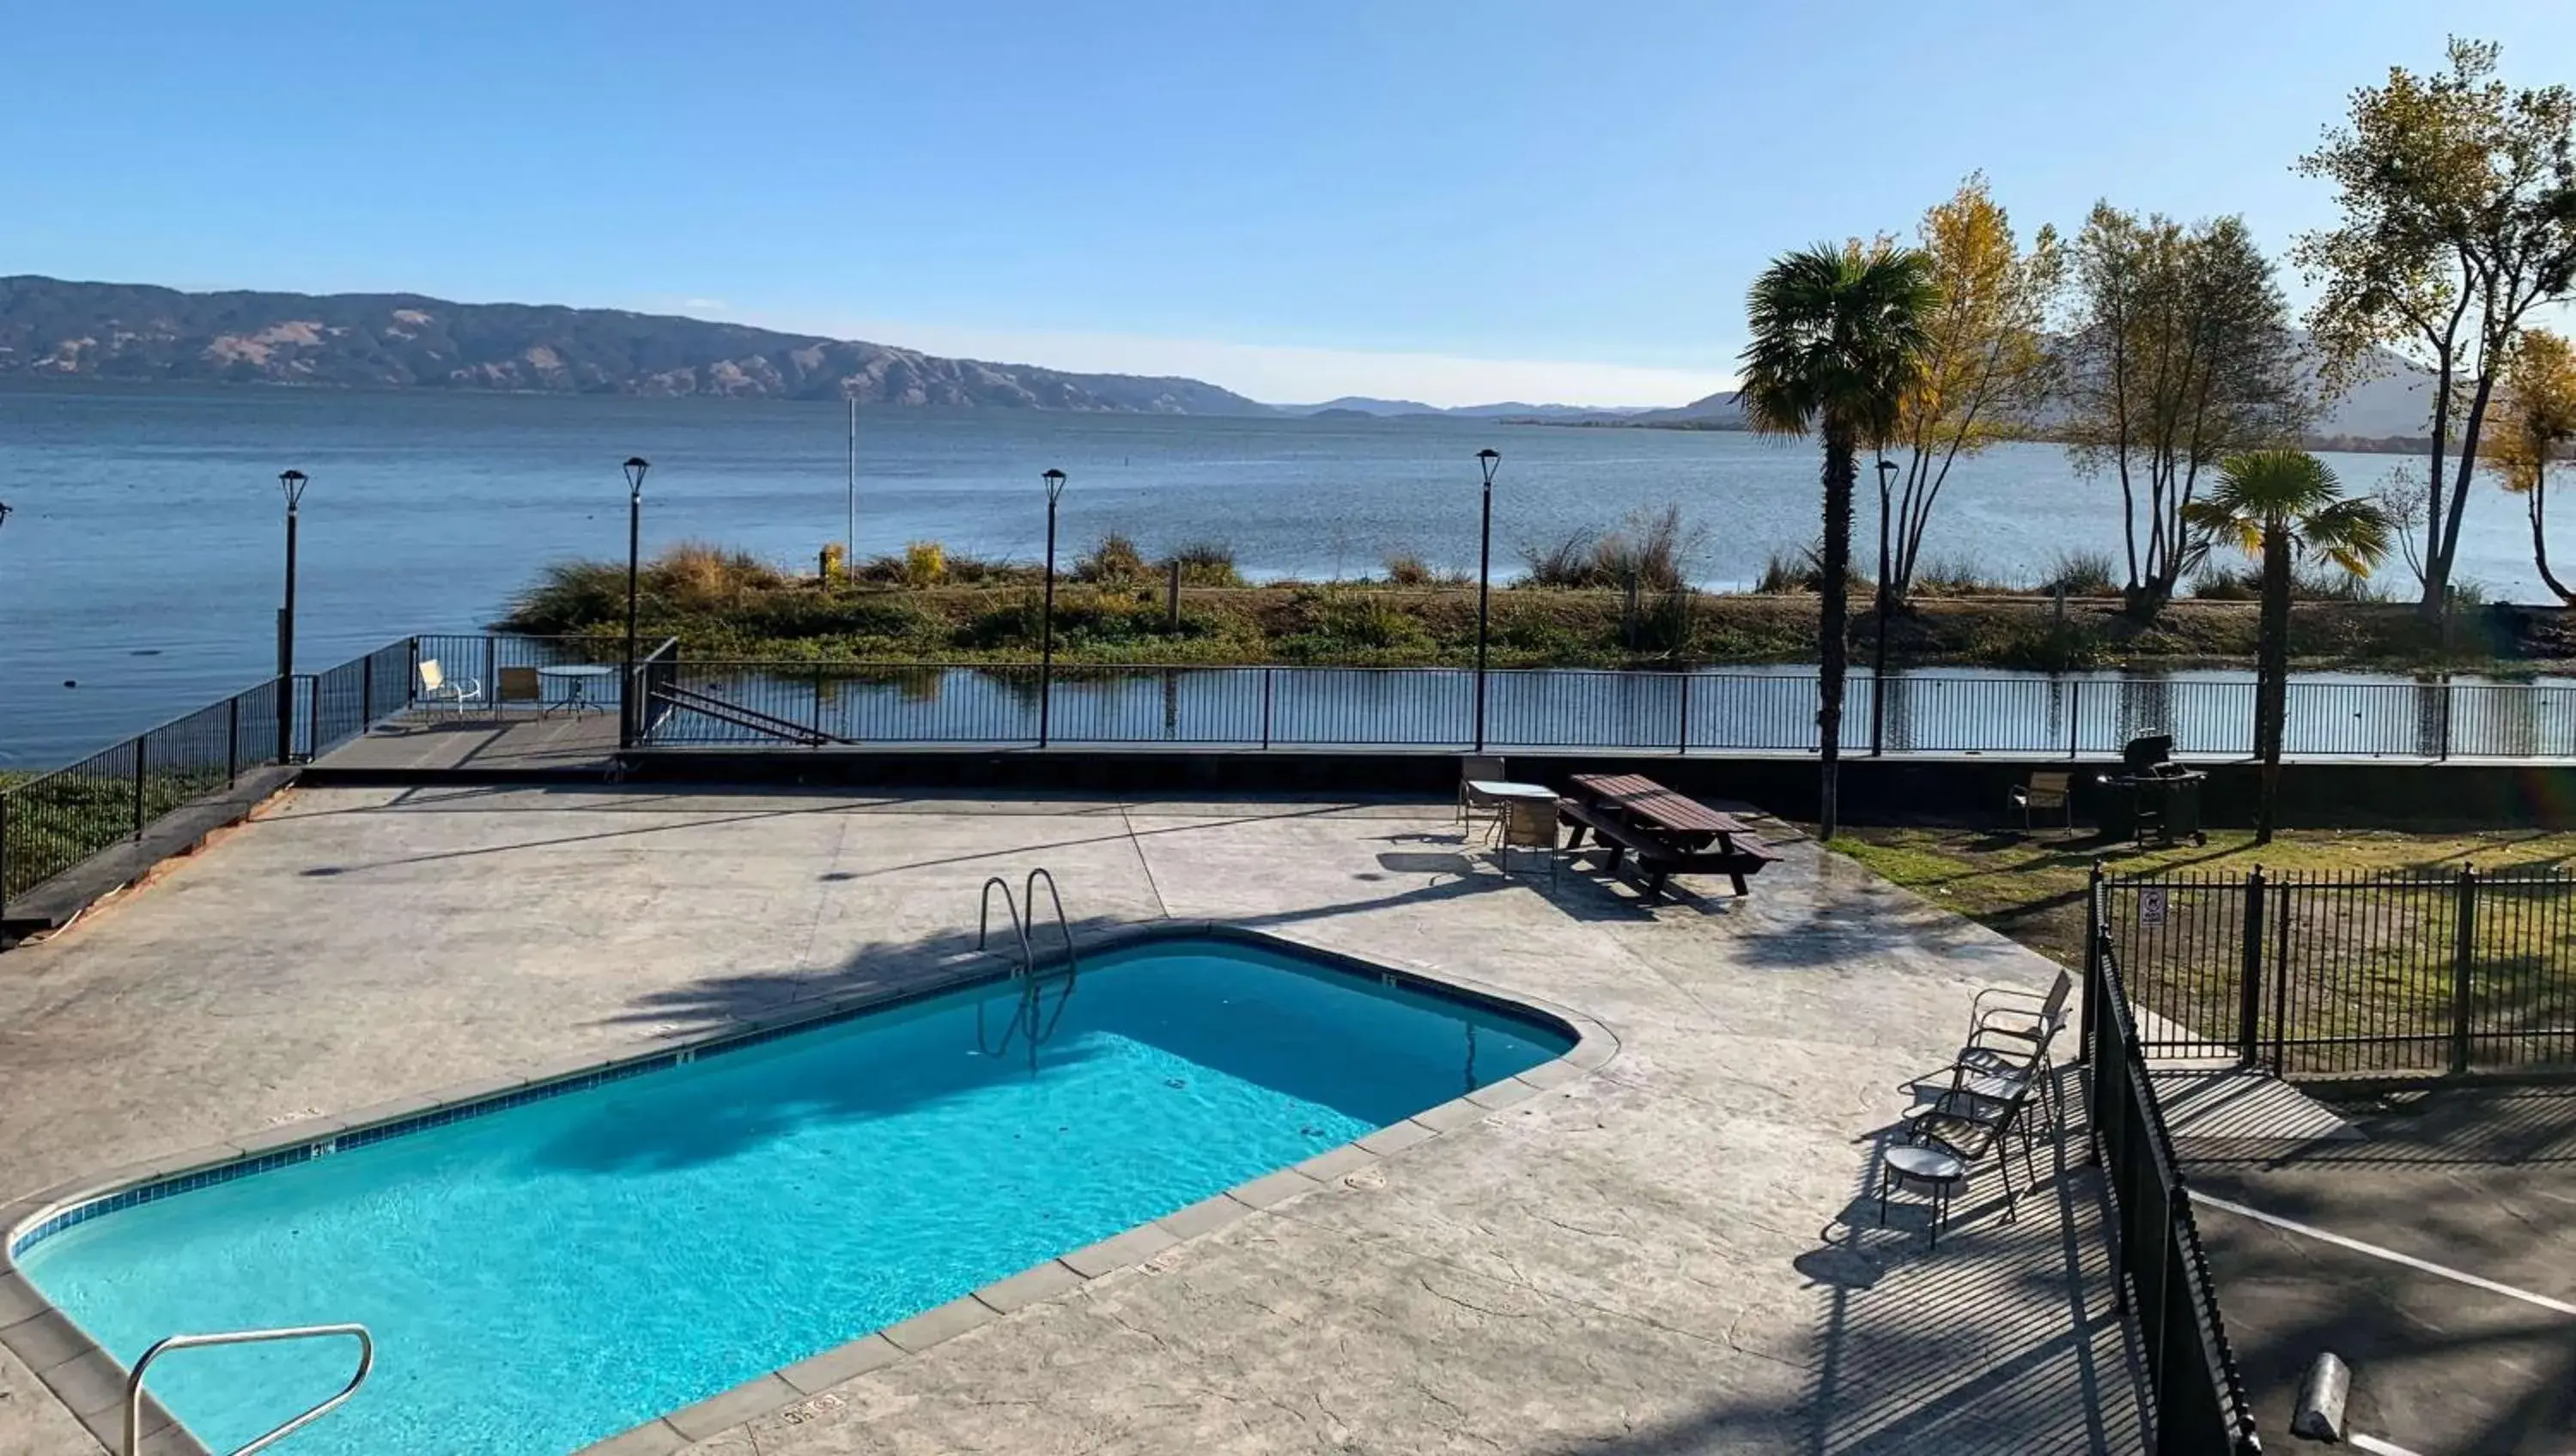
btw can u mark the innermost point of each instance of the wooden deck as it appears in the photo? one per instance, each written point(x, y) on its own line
point(516, 745)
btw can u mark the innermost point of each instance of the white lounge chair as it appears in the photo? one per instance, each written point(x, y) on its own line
point(436, 688)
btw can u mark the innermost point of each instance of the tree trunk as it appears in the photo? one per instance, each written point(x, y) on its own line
point(2538, 505)
point(2272, 677)
point(1842, 465)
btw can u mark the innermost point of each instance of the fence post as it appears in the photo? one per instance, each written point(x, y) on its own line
point(2074, 716)
point(313, 742)
point(141, 745)
point(232, 741)
point(1265, 707)
point(4, 856)
point(491, 666)
point(2450, 692)
point(2089, 1030)
point(2249, 985)
point(366, 693)
point(1681, 741)
point(2464, 945)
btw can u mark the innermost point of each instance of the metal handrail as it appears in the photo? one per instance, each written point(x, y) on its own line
point(134, 1381)
point(983, 931)
point(1029, 894)
point(1072, 960)
point(984, 920)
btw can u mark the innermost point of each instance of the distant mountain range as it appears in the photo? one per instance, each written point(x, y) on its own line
point(396, 340)
point(1352, 405)
point(50, 327)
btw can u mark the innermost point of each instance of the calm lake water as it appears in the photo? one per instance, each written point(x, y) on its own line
point(143, 562)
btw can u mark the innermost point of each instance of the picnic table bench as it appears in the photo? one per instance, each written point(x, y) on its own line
point(1630, 814)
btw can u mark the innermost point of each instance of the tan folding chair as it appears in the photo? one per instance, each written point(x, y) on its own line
point(521, 685)
point(2047, 791)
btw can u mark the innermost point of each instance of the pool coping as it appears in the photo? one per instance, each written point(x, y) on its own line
point(91, 1383)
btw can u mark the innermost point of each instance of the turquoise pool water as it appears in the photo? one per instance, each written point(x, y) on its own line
point(545, 1276)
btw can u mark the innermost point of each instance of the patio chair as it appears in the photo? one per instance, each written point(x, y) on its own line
point(1527, 824)
point(521, 685)
point(2018, 1018)
point(1473, 805)
point(2049, 791)
point(2010, 1032)
point(1968, 1129)
point(436, 687)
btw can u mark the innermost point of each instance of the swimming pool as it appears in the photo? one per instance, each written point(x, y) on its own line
point(547, 1274)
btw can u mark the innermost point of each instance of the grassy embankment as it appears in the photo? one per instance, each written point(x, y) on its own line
point(1112, 607)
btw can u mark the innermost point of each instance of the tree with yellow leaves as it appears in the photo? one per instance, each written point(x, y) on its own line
point(1988, 368)
point(2535, 417)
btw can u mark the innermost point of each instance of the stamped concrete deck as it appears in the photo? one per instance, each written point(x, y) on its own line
point(1673, 1253)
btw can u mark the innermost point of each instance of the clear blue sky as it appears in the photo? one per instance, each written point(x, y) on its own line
point(1456, 200)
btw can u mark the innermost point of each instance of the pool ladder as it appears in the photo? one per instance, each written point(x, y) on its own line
point(134, 1381)
point(1030, 1020)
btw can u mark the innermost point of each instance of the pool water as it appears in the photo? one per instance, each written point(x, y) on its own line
point(542, 1277)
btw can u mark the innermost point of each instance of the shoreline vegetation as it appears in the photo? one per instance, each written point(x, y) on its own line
point(1612, 601)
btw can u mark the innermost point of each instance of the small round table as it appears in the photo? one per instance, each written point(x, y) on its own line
point(1935, 1168)
point(577, 683)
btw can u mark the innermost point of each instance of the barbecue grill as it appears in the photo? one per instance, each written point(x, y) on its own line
point(2153, 797)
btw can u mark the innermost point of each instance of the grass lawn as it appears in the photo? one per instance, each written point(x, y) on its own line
point(2032, 888)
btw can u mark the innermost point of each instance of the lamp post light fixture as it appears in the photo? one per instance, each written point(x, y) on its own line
point(291, 483)
point(635, 467)
point(1878, 663)
point(1487, 460)
point(1046, 626)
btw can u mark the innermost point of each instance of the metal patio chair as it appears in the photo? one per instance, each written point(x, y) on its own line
point(2049, 791)
point(2010, 1032)
point(1472, 805)
point(437, 689)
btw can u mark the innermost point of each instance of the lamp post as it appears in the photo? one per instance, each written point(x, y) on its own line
point(292, 483)
point(1878, 662)
point(1046, 630)
point(1487, 460)
point(635, 467)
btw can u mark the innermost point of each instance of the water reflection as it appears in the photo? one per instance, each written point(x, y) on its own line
point(2208, 713)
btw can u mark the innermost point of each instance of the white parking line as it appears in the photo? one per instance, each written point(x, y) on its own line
point(2372, 1444)
point(2391, 1255)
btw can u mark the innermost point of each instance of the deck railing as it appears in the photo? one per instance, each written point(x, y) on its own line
point(57, 819)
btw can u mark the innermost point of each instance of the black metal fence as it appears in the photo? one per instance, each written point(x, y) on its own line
point(2196, 1394)
point(2354, 974)
point(55, 820)
point(1667, 712)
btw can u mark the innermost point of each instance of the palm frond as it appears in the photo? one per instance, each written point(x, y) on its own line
point(2353, 534)
point(1838, 336)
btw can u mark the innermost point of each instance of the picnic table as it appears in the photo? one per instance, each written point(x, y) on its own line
point(1669, 833)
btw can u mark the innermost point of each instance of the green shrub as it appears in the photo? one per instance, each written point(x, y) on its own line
point(2083, 574)
point(1205, 563)
point(1113, 558)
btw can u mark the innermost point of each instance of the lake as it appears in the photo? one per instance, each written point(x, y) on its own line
point(143, 562)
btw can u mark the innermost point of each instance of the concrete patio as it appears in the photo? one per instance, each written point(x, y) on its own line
point(1678, 1252)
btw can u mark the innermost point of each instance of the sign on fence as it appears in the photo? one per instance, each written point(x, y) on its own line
point(2151, 905)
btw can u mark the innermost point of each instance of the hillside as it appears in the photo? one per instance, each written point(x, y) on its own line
point(2393, 403)
point(132, 332)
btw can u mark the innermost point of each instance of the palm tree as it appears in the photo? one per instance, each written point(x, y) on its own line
point(2280, 505)
point(1839, 336)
